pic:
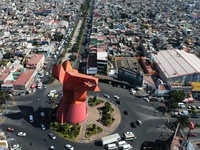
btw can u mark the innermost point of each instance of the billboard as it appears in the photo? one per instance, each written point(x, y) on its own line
point(195, 86)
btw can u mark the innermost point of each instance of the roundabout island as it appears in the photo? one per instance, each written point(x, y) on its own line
point(93, 129)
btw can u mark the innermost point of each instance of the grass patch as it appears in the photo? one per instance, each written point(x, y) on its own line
point(106, 114)
point(66, 130)
point(93, 129)
point(94, 101)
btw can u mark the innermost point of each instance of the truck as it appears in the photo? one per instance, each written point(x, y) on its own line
point(110, 139)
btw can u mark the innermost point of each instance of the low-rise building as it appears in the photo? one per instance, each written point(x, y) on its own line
point(36, 62)
point(24, 81)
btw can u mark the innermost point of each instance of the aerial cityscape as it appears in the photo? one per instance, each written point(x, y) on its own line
point(99, 74)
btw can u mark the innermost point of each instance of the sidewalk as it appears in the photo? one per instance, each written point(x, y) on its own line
point(93, 116)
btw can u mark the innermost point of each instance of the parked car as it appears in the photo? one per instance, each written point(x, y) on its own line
point(10, 129)
point(106, 95)
point(31, 118)
point(192, 135)
point(139, 122)
point(69, 147)
point(21, 134)
point(52, 136)
point(43, 126)
point(42, 115)
point(116, 97)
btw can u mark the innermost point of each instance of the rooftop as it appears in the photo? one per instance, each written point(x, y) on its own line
point(177, 62)
point(23, 78)
point(35, 59)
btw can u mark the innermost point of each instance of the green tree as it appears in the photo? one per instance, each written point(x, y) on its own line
point(178, 96)
point(183, 120)
point(123, 15)
point(95, 98)
point(172, 104)
point(4, 96)
point(7, 55)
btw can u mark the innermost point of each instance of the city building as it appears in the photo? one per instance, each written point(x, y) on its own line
point(129, 70)
point(24, 81)
point(36, 62)
point(177, 68)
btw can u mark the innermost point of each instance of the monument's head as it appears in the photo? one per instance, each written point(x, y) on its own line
point(72, 80)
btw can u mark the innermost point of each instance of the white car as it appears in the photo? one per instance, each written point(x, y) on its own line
point(116, 97)
point(139, 122)
point(146, 99)
point(43, 127)
point(69, 147)
point(106, 95)
point(21, 134)
point(47, 73)
point(52, 136)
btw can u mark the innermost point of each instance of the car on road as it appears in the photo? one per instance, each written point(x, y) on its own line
point(133, 125)
point(52, 136)
point(69, 147)
point(10, 129)
point(146, 99)
point(118, 102)
point(44, 86)
point(126, 112)
point(194, 115)
point(21, 134)
point(192, 134)
point(139, 122)
point(43, 126)
point(106, 95)
point(51, 148)
point(116, 97)
point(47, 73)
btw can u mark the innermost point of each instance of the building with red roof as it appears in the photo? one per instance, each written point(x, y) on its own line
point(24, 81)
point(36, 62)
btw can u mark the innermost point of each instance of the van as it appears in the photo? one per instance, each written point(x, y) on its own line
point(121, 143)
point(181, 105)
point(51, 93)
point(112, 146)
point(31, 118)
point(126, 147)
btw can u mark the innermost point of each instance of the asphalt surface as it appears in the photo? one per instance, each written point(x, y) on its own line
point(17, 118)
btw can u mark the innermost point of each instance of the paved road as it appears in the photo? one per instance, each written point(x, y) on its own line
point(17, 117)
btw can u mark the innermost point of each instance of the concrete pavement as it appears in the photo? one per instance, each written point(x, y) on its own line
point(93, 116)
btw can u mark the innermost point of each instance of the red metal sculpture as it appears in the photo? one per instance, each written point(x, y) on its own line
point(72, 107)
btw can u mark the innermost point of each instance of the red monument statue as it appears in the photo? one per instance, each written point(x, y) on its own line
point(72, 107)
